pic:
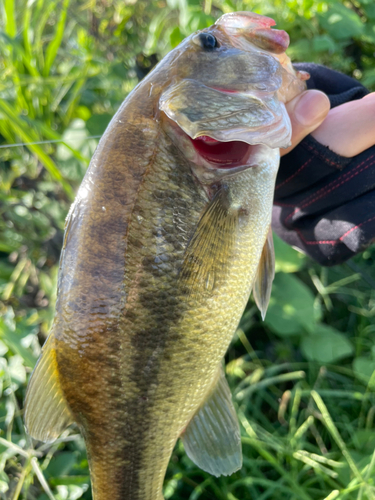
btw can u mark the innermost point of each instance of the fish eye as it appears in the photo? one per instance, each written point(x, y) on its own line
point(208, 41)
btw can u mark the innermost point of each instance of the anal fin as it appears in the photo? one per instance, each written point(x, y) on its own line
point(265, 274)
point(212, 439)
point(46, 411)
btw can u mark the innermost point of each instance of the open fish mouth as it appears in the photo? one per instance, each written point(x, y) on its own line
point(227, 128)
point(219, 154)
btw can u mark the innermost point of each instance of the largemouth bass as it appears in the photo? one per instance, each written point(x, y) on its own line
point(167, 237)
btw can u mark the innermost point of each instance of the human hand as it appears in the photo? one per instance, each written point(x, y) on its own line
point(325, 189)
point(306, 112)
point(348, 130)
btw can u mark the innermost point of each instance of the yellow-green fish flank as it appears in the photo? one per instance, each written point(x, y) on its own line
point(162, 247)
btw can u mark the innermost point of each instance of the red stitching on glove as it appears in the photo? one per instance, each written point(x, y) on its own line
point(332, 242)
point(321, 242)
point(322, 157)
point(324, 191)
point(356, 227)
point(295, 173)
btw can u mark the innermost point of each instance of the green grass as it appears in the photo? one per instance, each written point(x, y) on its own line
point(303, 381)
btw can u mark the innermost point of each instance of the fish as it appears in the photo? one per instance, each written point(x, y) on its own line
point(167, 237)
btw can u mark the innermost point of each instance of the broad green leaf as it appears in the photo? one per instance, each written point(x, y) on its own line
point(300, 49)
point(341, 23)
point(369, 77)
point(200, 21)
point(97, 124)
point(370, 10)
point(50, 134)
point(71, 492)
point(4, 482)
point(12, 337)
point(62, 464)
point(17, 370)
point(365, 438)
point(4, 487)
point(3, 348)
point(176, 37)
point(326, 345)
point(287, 260)
point(322, 43)
point(369, 32)
point(364, 367)
point(76, 135)
point(291, 308)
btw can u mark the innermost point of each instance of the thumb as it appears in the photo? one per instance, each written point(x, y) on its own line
point(306, 113)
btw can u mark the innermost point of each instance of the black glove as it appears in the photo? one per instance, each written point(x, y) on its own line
point(325, 203)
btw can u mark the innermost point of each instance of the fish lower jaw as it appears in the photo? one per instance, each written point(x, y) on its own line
point(222, 154)
point(214, 160)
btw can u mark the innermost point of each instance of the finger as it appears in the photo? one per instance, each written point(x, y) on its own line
point(306, 112)
point(349, 129)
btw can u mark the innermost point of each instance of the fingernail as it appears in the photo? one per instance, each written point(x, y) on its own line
point(312, 107)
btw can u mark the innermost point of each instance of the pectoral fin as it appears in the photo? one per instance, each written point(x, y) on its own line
point(209, 251)
point(265, 274)
point(46, 411)
point(212, 439)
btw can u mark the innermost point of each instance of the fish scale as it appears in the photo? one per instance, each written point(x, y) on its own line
point(161, 250)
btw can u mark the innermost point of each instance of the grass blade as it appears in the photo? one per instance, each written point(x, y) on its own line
point(54, 45)
point(285, 377)
point(19, 127)
point(10, 26)
point(334, 494)
point(335, 434)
